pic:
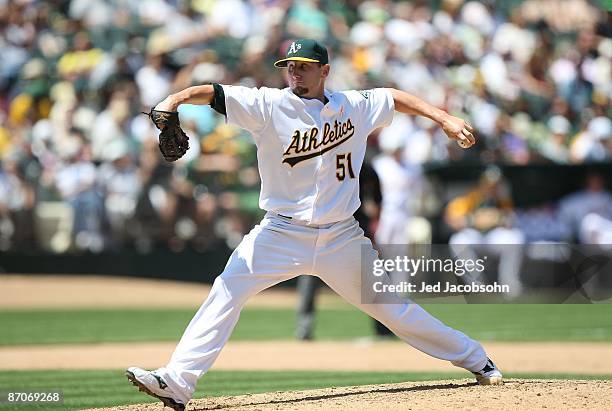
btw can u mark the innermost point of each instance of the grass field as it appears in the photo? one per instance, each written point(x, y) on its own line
point(101, 388)
point(87, 389)
point(521, 322)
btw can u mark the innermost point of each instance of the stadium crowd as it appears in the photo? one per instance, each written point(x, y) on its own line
point(533, 77)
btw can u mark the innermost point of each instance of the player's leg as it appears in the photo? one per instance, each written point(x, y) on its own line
point(338, 263)
point(266, 256)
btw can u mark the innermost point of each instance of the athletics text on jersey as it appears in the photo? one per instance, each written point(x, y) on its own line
point(306, 145)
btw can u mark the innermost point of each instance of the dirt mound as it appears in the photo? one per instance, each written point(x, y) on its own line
point(451, 394)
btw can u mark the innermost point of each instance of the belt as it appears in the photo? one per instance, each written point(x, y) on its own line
point(302, 223)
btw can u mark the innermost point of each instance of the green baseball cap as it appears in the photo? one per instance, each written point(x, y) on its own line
point(304, 50)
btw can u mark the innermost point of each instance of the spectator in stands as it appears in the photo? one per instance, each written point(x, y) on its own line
point(75, 181)
point(110, 125)
point(153, 79)
point(120, 183)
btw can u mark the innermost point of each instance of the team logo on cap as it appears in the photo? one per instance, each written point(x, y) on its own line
point(294, 48)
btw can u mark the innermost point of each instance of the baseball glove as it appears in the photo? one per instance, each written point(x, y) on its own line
point(173, 142)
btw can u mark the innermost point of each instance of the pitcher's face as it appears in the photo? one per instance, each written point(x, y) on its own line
point(305, 78)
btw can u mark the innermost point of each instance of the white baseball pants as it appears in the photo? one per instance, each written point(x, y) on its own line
point(279, 249)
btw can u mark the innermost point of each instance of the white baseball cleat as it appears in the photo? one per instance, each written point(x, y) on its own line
point(155, 386)
point(489, 375)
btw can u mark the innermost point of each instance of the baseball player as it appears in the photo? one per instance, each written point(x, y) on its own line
point(310, 146)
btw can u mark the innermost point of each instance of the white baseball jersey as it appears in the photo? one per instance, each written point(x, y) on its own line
point(309, 153)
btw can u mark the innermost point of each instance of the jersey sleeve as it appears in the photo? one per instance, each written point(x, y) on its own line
point(376, 107)
point(247, 108)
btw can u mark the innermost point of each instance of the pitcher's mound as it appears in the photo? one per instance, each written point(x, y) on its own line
point(424, 395)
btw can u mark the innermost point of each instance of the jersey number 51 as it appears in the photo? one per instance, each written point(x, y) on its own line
point(344, 164)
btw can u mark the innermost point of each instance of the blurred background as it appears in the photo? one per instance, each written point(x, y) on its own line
point(81, 177)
